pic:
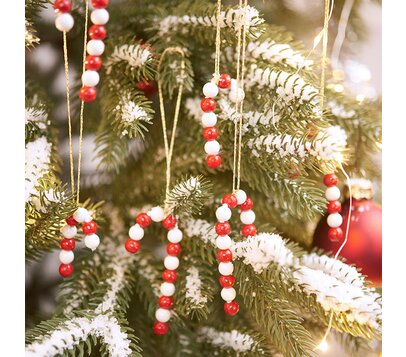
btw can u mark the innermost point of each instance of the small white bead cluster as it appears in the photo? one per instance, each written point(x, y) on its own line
point(69, 231)
point(334, 219)
point(224, 242)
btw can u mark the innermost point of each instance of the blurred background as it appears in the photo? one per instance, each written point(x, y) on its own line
point(359, 62)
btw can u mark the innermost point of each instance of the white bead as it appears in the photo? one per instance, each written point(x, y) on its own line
point(212, 147)
point(209, 119)
point(175, 235)
point(233, 85)
point(210, 90)
point(223, 242)
point(334, 220)
point(247, 217)
point(90, 78)
point(236, 95)
point(171, 262)
point(162, 315)
point(223, 213)
point(241, 197)
point(157, 214)
point(228, 294)
point(333, 193)
point(69, 231)
point(66, 256)
point(99, 16)
point(95, 47)
point(82, 215)
point(92, 241)
point(136, 232)
point(64, 22)
point(167, 289)
point(226, 268)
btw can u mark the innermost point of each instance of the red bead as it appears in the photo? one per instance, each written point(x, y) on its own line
point(97, 32)
point(248, 230)
point(160, 328)
point(62, 6)
point(143, 220)
point(147, 87)
point(87, 94)
point(213, 161)
point(330, 180)
point(231, 308)
point(223, 228)
point(93, 63)
point(100, 4)
point(166, 302)
point(173, 249)
point(208, 104)
point(210, 133)
point(89, 227)
point(334, 207)
point(224, 81)
point(227, 281)
point(224, 255)
point(247, 205)
point(132, 246)
point(230, 200)
point(169, 276)
point(71, 221)
point(67, 244)
point(66, 270)
point(169, 222)
point(335, 234)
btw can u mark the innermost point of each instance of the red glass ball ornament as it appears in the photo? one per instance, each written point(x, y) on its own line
point(334, 207)
point(227, 281)
point(100, 4)
point(66, 270)
point(230, 200)
point(169, 222)
point(143, 220)
point(330, 180)
point(63, 6)
point(166, 302)
point(248, 230)
point(71, 221)
point(87, 94)
point(160, 328)
point(231, 308)
point(67, 244)
point(364, 245)
point(147, 87)
point(224, 255)
point(169, 276)
point(335, 234)
point(210, 133)
point(93, 63)
point(132, 246)
point(97, 32)
point(89, 227)
point(173, 249)
point(223, 228)
point(224, 81)
point(247, 205)
point(213, 161)
point(208, 104)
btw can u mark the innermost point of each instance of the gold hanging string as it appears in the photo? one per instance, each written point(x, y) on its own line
point(66, 62)
point(241, 108)
point(239, 31)
point(82, 104)
point(169, 147)
point(324, 53)
point(216, 75)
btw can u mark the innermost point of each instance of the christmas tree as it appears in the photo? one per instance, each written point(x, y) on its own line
point(295, 130)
